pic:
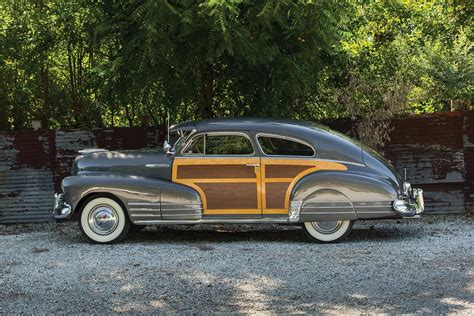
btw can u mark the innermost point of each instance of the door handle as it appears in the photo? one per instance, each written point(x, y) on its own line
point(253, 165)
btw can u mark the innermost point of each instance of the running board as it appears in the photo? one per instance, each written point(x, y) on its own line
point(215, 221)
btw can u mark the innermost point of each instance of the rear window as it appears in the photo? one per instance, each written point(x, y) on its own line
point(279, 146)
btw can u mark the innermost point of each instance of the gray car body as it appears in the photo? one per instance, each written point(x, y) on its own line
point(141, 180)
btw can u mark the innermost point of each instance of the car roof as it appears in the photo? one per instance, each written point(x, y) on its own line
point(301, 129)
point(327, 142)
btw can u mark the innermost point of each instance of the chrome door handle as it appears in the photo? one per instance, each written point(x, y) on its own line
point(157, 165)
point(253, 165)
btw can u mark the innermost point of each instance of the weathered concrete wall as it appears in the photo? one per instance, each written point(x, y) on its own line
point(436, 150)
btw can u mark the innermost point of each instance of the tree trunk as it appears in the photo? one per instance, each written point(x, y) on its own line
point(73, 85)
point(4, 125)
point(207, 91)
point(44, 86)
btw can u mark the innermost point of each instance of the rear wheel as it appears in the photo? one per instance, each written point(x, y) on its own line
point(327, 232)
point(103, 220)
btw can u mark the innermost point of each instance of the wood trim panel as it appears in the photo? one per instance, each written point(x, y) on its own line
point(275, 194)
point(215, 172)
point(284, 171)
point(257, 190)
point(230, 195)
point(279, 170)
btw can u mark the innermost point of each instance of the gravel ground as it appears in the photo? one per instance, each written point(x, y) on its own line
point(409, 266)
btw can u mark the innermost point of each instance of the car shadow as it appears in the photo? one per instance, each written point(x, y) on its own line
point(278, 233)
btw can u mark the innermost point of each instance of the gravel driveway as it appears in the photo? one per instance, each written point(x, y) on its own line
point(412, 266)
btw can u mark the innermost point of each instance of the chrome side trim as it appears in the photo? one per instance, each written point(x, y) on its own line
point(325, 213)
point(182, 215)
point(213, 221)
point(373, 204)
point(157, 165)
point(181, 209)
point(144, 210)
point(180, 204)
point(143, 203)
point(145, 215)
point(315, 158)
point(324, 207)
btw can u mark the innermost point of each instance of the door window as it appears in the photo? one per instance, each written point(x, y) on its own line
point(220, 145)
point(278, 146)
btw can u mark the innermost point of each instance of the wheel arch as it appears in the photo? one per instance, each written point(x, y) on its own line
point(95, 194)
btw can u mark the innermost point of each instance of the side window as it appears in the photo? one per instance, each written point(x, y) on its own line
point(220, 145)
point(276, 146)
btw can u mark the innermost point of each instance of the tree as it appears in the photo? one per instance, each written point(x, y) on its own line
point(123, 63)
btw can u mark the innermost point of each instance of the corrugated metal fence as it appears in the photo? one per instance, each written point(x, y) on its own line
point(437, 151)
point(33, 163)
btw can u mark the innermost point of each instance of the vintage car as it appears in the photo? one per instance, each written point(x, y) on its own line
point(237, 171)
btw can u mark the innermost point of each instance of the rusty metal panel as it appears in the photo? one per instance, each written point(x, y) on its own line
point(67, 145)
point(7, 152)
point(430, 148)
point(468, 142)
point(26, 195)
point(26, 179)
point(443, 198)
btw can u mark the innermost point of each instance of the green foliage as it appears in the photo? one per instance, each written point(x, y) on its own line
point(126, 63)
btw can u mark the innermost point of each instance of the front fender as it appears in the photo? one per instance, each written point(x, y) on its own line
point(342, 195)
point(142, 197)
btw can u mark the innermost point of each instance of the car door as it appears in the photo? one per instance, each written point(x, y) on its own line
point(224, 168)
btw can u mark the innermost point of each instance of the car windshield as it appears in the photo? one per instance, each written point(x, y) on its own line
point(177, 139)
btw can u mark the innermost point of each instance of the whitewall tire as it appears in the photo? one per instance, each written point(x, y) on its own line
point(103, 220)
point(327, 232)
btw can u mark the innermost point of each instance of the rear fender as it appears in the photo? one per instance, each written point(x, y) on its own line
point(335, 195)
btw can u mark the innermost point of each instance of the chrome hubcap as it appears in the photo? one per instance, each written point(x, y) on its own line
point(103, 219)
point(327, 227)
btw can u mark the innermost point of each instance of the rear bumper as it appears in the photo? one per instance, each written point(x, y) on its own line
point(411, 202)
point(61, 210)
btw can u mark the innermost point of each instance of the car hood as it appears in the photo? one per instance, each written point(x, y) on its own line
point(147, 163)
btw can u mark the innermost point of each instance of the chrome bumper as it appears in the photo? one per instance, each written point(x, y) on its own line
point(411, 202)
point(61, 209)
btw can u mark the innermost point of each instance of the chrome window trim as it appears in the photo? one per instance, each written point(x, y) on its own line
point(184, 139)
point(297, 140)
point(218, 133)
point(315, 158)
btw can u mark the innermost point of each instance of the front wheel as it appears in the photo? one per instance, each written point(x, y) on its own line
point(327, 232)
point(103, 220)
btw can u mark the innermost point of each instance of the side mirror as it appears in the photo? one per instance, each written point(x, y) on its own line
point(167, 148)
